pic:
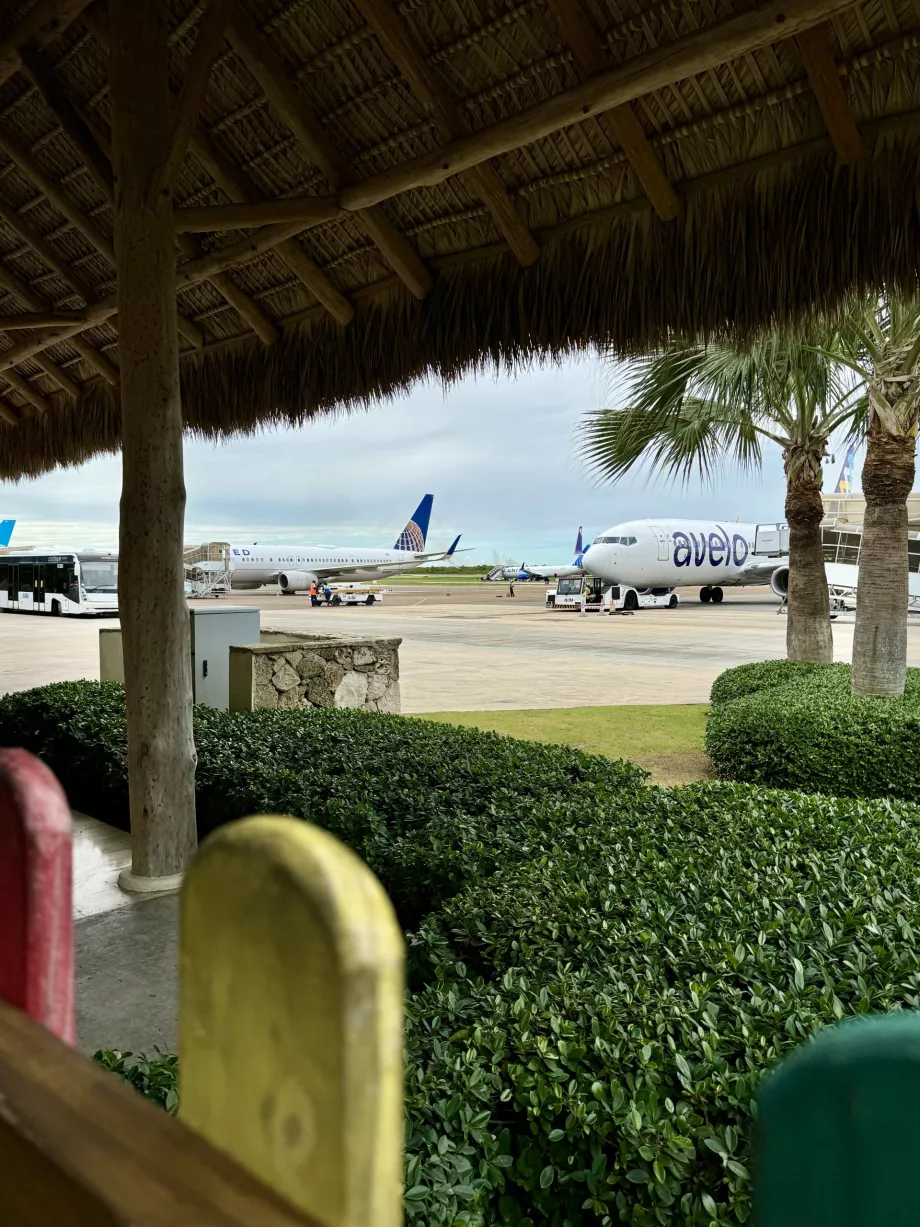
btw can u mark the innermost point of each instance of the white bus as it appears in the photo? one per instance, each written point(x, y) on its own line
point(75, 582)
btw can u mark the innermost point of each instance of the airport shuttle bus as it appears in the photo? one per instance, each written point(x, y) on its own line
point(59, 582)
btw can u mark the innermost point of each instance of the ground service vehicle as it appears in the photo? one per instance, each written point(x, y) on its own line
point(353, 594)
point(588, 594)
point(57, 582)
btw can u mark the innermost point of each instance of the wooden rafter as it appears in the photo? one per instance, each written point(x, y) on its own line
point(311, 276)
point(194, 89)
point(653, 70)
point(74, 125)
point(240, 190)
point(8, 414)
point(25, 389)
point(20, 290)
point(484, 181)
point(42, 23)
point(311, 209)
point(620, 124)
point(40, 319)
point(267, 68)
point(238, 253)
point(818, 57)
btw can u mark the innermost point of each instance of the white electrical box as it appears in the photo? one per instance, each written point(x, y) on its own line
point(214, 630)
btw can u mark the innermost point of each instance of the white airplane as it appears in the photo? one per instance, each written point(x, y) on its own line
point(686, 553)
point(544, 571)
point(295, 567)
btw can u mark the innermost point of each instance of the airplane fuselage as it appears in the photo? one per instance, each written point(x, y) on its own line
point(673, 554)
point(251, 566)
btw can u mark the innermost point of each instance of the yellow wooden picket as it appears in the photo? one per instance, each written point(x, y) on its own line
point(291, 1018)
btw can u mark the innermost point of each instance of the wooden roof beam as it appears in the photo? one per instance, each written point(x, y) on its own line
point(687, 56)
point(24, 293)
point(48, 84)
point(240, 190)
point(39, 319)
point(99, 362)
point(8, 414)
point(41, 25)
point(97, 313)
point(620, 124)
point(237, 253)
point(484, 181)
point(259, 57)
point(65, 206)
point(25, 389)
point(312, 209)
point(36, 303)
point(194, 89)
point(818, 57)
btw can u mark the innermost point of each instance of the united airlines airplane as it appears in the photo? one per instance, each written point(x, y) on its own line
point(6, 532)
point(684, 553)
point(545, 570)
point(295, 567)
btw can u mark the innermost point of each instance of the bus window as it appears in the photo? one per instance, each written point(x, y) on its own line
point(99, 574)
point(12, 582)
point(25, 577)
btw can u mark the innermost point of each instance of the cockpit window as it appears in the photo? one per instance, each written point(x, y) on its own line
point(615, 541)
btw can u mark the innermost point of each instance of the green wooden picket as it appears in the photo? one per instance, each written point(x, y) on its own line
point(838, 1135)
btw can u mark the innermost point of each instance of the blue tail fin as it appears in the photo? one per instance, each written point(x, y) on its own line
point(579, 546)
point(414, 535)
point(845, 480)
point(6, 531)
point(450, 552)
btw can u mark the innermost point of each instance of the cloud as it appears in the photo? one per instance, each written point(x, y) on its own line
point(497, 453)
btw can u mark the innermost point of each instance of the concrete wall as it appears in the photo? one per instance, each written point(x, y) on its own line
point(287, 670)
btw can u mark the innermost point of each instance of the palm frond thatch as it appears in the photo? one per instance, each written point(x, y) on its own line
point(772, 228)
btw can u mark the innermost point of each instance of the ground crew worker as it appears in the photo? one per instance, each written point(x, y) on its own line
point(313, 600)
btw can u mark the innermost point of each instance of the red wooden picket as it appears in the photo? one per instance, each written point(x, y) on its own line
point(36, 912)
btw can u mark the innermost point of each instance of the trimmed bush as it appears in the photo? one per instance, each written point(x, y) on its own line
point(799, 727)
point(586, 1034)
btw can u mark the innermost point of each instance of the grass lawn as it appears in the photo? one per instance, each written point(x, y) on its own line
point(665, 740)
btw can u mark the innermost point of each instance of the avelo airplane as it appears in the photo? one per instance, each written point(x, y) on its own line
point(296, 567)
point(6, 532)
point(688, 553)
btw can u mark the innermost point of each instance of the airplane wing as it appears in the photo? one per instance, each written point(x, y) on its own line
point(756, 570)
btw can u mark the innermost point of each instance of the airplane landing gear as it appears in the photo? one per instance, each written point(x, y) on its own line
point(717, 595)
point(708, 594)
point(705, 595)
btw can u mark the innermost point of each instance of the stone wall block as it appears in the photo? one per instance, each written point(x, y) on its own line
point(311, 665)
point(286, 678)
point(390, 701)
point(333, 674)
point(352, 690)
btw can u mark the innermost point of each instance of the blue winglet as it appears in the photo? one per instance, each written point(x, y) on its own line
point(415, 534)
point(450, 552)
point(6, 531)
point(579, 546)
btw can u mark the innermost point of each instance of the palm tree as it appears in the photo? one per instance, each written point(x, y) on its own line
point(880, 341)
point(692, 407)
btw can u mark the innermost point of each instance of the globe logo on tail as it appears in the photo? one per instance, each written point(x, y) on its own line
point(411, 538)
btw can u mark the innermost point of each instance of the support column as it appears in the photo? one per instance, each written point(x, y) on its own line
point(154, 615)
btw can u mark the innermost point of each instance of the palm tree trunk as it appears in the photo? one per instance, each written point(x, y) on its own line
point(880, 637)
point(808, 629)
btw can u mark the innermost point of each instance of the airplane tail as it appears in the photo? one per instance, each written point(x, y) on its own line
point(845, 480)
point(414, 535)
point(579, 544)
point(6, 531)
point(450, 552)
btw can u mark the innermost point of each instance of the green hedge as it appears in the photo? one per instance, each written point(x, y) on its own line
point(599, 971)
point(585, 1035)
point(789, 725)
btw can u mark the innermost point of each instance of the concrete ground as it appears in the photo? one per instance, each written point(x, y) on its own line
point(475, 649)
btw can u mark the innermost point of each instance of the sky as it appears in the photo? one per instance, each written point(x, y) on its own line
point(497, 453)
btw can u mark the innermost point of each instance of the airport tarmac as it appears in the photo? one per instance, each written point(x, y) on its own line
point(475, 649)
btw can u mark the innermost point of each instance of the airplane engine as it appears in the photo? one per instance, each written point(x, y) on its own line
point(296, 581)
point(779, 581)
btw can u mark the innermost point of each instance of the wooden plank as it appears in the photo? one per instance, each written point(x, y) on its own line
point(259, 57)
point(838, 1132)
point(684, 57)
point(484, 181)
point(72, 122)
point(154, 615)
point(36, 912)
point(24, 388)
point(818, 57)
point(286, 933)
point(41, 25)
point(80, 1148)
point(620, 123)
point(313, 209)
point(194, 89)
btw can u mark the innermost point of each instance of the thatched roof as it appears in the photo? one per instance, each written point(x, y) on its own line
point(676, 164)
